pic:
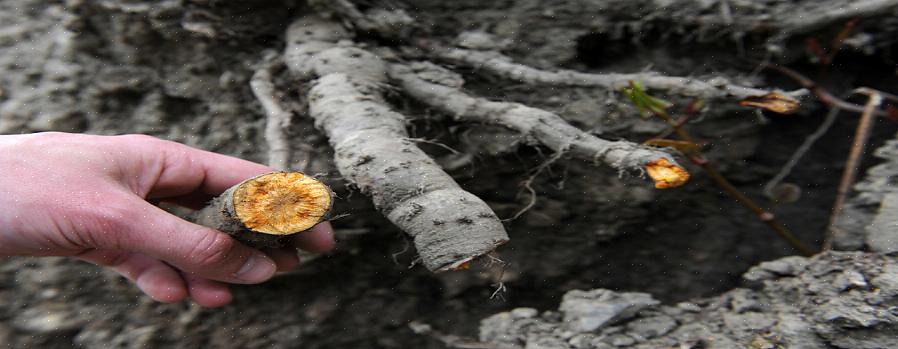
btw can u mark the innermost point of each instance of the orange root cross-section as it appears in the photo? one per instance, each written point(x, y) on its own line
point(666, 174)
point(281, 203)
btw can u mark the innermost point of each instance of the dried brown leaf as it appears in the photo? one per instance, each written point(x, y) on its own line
point(773, 101)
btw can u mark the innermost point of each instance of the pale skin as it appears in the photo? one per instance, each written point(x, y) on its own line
point(93, 198)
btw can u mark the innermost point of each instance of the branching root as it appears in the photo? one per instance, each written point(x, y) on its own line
point(449, 225)
point(498, 64)
point(543, 127)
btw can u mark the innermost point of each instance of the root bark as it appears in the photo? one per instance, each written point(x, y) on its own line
point(543, 127)
point(449, 225)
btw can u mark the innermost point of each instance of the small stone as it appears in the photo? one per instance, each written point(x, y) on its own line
point(651, 327)
point(586, 311)
point(850, 279)
point(690, 307)
point(756, 275)
point(546, 343)
point(599, 344)
point(524, 313)
point(742, 300)
point(788, 266)
point(747, 322)
point(581, 341)
point(621, 340)
point(566, 335)
point(496, 327)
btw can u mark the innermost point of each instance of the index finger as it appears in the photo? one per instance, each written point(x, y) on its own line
point(187, 170)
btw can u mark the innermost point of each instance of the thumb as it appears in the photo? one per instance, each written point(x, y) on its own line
point(193, 248)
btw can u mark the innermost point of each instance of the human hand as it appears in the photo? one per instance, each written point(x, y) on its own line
point(86, 196)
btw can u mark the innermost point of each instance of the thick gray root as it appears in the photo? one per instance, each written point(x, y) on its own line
point(542, 126)
point(220, 215)
point(498, 64)
point(449, 225)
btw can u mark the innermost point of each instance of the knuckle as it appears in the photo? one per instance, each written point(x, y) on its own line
point(146, 142)
point(107, 223)
point(212, 250)
point(169, 150)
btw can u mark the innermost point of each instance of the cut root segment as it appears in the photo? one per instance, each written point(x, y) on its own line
point(666, 174)
point(264, 210)
point(281, 203)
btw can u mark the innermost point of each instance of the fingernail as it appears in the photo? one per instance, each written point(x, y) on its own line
point(258, 268)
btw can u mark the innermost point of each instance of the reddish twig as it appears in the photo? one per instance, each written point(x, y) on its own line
point(657, 107)
point(764, 215)
point(854, 158)
point(822, 94)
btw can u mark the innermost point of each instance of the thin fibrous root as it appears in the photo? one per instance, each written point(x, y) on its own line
point(542, 126)
point(277, 118)
point(501, 65)
point(449, 225)
point(821, 93)
point(528, 185)
point(800, 152)
point(264, 210)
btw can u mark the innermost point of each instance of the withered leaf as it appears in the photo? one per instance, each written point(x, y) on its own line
point(773, 101)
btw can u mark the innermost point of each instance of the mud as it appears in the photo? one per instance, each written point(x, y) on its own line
point(180, 70)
